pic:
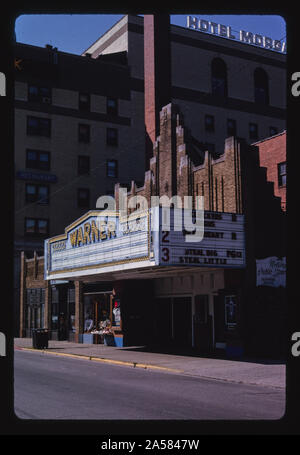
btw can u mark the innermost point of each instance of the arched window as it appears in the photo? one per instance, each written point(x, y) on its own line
point(261, 86)
point(218, 77)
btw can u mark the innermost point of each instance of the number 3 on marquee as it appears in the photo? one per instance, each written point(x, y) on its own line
point(166, 254)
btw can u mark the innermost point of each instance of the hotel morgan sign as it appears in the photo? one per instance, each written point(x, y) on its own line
point(97, 241)
point(243, 36)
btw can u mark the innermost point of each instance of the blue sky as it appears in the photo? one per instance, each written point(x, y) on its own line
point(74, 33)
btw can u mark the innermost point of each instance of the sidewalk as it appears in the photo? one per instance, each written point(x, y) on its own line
point(265, 373)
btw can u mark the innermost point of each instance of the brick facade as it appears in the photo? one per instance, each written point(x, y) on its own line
point(235, 183)
point(157, 67)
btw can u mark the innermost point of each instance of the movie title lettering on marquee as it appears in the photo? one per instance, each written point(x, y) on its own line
point(222, 244)
point(99, 243)
point(97, 240)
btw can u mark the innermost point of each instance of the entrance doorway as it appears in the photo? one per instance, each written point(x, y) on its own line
point(219, 312)
point(202, 324)
point(96, 309)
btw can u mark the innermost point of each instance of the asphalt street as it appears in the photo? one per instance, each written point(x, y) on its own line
point(51, 387)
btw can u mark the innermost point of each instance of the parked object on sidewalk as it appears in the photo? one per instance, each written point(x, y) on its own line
point(40, 338)
point(109, 339)
point(234, 349)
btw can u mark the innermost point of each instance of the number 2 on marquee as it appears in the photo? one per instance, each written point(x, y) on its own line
point(165, 235)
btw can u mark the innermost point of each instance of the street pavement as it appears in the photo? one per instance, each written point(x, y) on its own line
point(246, 371)
point(56, 387)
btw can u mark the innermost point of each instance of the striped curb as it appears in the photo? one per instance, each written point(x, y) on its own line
point(101, 359)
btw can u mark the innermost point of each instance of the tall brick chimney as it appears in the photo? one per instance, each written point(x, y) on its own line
point(157, 74)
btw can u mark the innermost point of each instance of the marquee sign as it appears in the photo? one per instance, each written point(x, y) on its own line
point(222, 244)
point(98, 243)
point(26, 175)
point(271, 271)
point(243, 36)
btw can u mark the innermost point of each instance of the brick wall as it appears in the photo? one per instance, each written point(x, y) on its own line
point(157, 79)
point(32, 277)
point(272, 151)
point(172, 170)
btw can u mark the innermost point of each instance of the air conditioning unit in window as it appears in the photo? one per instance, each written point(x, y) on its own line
point(46, 100)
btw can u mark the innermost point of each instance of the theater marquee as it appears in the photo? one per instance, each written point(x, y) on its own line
point(243, 36)
point(101, 243)
point(222, 244)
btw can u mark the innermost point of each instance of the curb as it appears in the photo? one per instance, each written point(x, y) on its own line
point(235, 381)
point(104, 360)
point(146, 367)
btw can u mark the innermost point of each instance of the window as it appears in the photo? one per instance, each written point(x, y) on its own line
point(37, 226)
point(37, 193)
point(84, 101)
point(37, 126)
point(230, 311)
point(37, 159)
point(39, 94)
point(231, 127)
point(209, 123)
point(112, 168)
point(83, 198)
point(218, 77)
point(273, 130)
point(282, 174)
point(112, 106)
point(201, 309)
point(261, 86)
point(112, 136)
point(83, 165)
point(253, 131)
point(96, 312)
point(83, 133)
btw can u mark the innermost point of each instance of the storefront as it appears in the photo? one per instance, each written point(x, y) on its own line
point(34, 310)
point(101, 315)
point(62, 315)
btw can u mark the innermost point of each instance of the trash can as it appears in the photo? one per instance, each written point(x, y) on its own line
point(40, 338)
